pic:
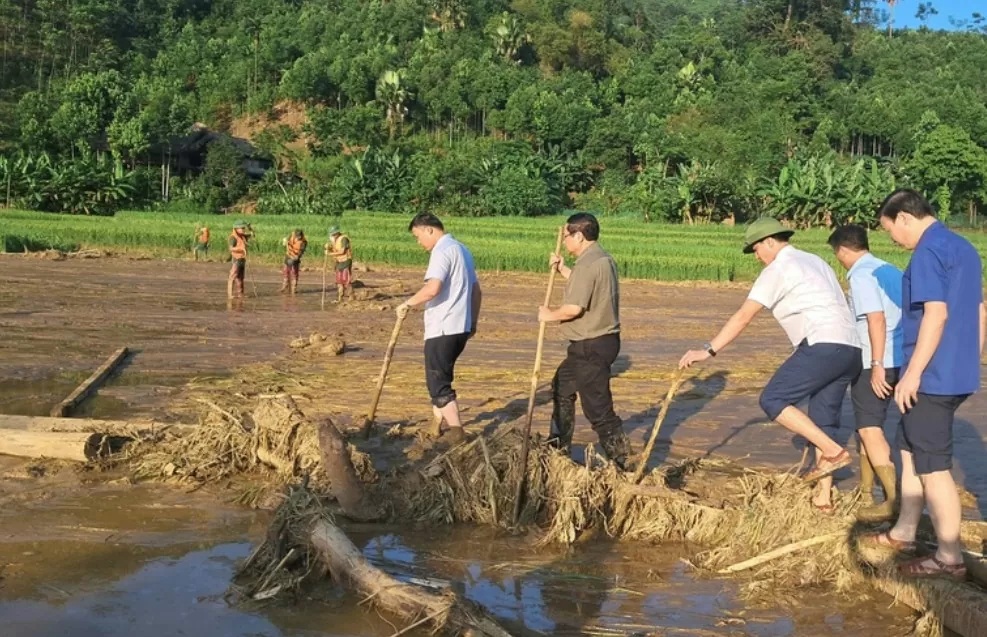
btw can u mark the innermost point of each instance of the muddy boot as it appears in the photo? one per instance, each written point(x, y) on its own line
point(866, 479)
point(617, 447)
point(562, 425)
point(455, 436)
point(435, 430)
point(888, 509)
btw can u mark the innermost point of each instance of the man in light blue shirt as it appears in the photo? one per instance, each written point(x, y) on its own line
point(875, 301)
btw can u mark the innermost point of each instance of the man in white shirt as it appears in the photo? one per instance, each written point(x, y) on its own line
point(451, 296)
point(875, 301)
point(802, 292)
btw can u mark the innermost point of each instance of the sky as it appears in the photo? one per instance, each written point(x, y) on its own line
point(904, 12)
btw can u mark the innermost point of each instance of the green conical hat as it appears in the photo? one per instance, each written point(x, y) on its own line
point(240, 223)
point(762, 229)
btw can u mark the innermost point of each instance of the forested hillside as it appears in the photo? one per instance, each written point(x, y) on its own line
point(661, 109)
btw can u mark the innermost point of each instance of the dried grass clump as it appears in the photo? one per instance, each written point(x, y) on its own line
point(736, 513)
point(276, 441)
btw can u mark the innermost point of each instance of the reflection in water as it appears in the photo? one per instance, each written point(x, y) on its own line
point(604, 591)
point(165, 597)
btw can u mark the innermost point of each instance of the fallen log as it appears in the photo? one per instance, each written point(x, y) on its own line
point(444, 611)
point(90, 385)
point(962, 608)
point(80, 447)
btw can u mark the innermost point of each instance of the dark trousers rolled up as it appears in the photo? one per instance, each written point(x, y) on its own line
point(586, 372)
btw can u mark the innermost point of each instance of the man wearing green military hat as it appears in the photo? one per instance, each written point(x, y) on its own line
point(805, 297)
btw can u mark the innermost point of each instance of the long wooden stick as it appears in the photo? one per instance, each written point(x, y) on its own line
point(90, 385)
point(643, 462)
point(388, 354)
point(781, 551)
point(325, 264)
point(534, 385)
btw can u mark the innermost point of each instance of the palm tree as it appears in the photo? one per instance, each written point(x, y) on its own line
point(393, 95)
point(509, 36)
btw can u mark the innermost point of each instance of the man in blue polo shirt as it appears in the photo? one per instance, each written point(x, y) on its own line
point(943, 325)
point(875, 301)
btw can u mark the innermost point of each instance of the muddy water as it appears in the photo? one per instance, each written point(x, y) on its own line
point(119, 561)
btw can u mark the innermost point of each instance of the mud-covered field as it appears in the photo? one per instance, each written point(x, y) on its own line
point(60, 319)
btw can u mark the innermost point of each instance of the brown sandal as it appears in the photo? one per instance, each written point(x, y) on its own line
point(932, 566)
point(828, 465)
point(884, 540)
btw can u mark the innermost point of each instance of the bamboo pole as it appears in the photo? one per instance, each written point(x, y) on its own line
point(643, 462)
point(534, 385)
point(325, 265)
point(90, 385)
point(368, 423)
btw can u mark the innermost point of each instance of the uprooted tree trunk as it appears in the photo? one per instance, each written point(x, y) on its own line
point(344, 485)
point(446, 612)
point(290, 442)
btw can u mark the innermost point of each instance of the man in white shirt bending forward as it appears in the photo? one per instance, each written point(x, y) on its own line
point(802, 292)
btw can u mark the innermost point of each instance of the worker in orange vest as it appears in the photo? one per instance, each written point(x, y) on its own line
point(201, 242)
point(341, 251)
point(294, 249)
point(242, 232)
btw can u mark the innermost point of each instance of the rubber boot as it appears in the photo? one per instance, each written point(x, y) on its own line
point(866, 479)
point(887, 509)
point(562, 425)
point(617, 447)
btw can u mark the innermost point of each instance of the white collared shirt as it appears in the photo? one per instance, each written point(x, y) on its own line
point(451, 312)
point(803, 293)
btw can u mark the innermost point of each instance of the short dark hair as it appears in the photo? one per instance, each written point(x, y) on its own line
point(426, 220)
point(905, 200)
point(583, 222)
point(849, 236)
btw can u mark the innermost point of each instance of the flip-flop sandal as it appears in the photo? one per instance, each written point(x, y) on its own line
point(825, 509)
point(884, 540)
point(931, 566)
point(828, 465)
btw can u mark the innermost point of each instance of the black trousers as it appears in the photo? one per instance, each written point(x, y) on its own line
point(441, 354)
point(586, 372)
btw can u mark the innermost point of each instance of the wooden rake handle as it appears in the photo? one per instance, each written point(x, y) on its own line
point(677, 381)
point(388, 354)
point(534, 384)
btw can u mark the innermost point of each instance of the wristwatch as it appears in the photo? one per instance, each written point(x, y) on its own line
point(877, 363)
point(709, 349)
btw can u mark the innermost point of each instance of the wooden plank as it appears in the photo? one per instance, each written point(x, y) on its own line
point(80, 447)
point(90, 385)
point(92, 425)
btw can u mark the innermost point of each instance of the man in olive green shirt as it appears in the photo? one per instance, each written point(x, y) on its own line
point(590, 317)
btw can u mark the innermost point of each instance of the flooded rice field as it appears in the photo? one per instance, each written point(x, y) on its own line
point(87, 554)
